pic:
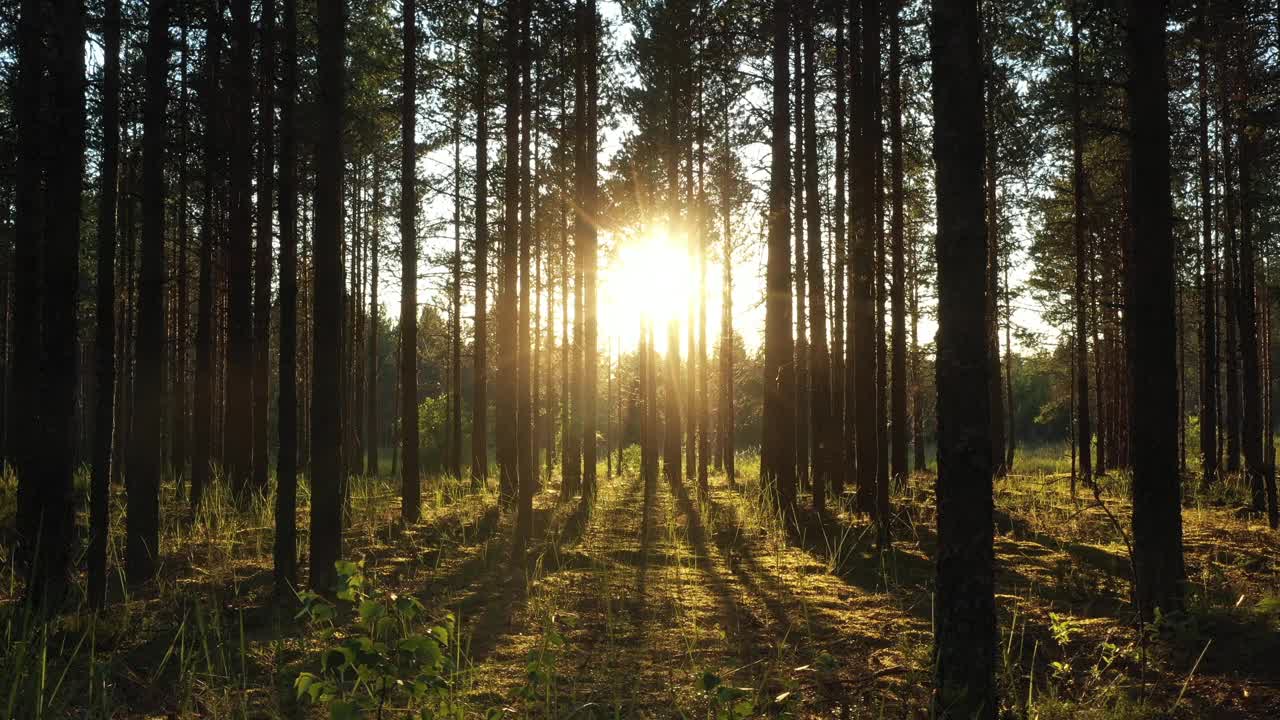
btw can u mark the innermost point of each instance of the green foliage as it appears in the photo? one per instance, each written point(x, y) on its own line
point(541, 673)
point(395, 659)
point(1062, 627)
point(433, 419)
point(1178, 633)
point(723, 701)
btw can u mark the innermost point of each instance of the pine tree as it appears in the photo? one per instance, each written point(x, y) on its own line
point(964, 615)
point(825, 439)
point(104, 338)
point(410, 488)
point(286, 552)
point(142, 523)
point(1157, 509)
point(480, 380)
point(1083, 424)
point(327, 403)
point(262, 250)
point(238, 254)
point(778, 452)
point(898, 370)
point(202, 431)
point(862, 339)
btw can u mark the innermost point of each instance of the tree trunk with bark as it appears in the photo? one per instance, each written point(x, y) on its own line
point(262, 259)
point(104, 339)
point(898, 370)
point(286, 550)
point(480, 346)
point(1084, 432)
point(1157, 492)
point(862, 344)
point(326, 405)
point(778, 452)
point(203, 393)
point(964, 616)
point(142, 478)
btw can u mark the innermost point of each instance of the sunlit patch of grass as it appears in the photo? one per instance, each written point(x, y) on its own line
point(809, 612)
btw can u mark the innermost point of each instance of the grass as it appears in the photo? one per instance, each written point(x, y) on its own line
point(726, 613)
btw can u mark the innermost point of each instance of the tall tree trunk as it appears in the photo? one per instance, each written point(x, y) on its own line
point(1100, 395)
point(1012, 445)
point(29, 236)
point(881, 294)
point(964, 616)
point(1157, 509)
point(182, 313)
point(853, 270)
point(727, 425)
point(142, 522)
point(203, 410)
point(825, 440)
point(693, 226)
point(1247, 313)
point(262, 260)
point(918, 461)
point(480, 347)
point(410, 481)
point(326, 405)
point(552, 403)
point(286, 540)
point(104, 339)
point(898, 371)
point(1084, 432)
point(526, 479)
point(455, 310)
point(124, 383)
point(839, 456)
point(239, 412)
point(862, 345)
point(703, 227)
point(801, 319)
point(539, 408)
point(590, 246)
point(507, 291)
point(778, 451)
point(1230, 248)
point(993, 246)
point(49, 225)
point(569, 455)
point(573, 446)
point(371, 352)
point(55, 516)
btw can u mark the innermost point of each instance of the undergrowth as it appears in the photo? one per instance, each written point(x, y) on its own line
point(735, 610)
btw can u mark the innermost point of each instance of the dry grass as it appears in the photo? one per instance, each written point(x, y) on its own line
point(809, 622)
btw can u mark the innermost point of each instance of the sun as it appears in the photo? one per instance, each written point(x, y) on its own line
point(651, 277)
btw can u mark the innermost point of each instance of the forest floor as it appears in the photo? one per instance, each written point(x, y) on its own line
point(721, 614)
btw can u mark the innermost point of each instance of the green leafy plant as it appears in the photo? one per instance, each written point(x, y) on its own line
point(1062, 627)
point(724, 702)
point(541, 673)
point(395, 661)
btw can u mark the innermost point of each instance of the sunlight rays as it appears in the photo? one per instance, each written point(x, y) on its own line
point(651, 276)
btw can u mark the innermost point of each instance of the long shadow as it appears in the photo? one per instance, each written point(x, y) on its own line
point(1097, 558)
point(823, 628)
point(730, 613)
point(505, 587)
point(759, 582)
point(846, 545)
point(1081, 572)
